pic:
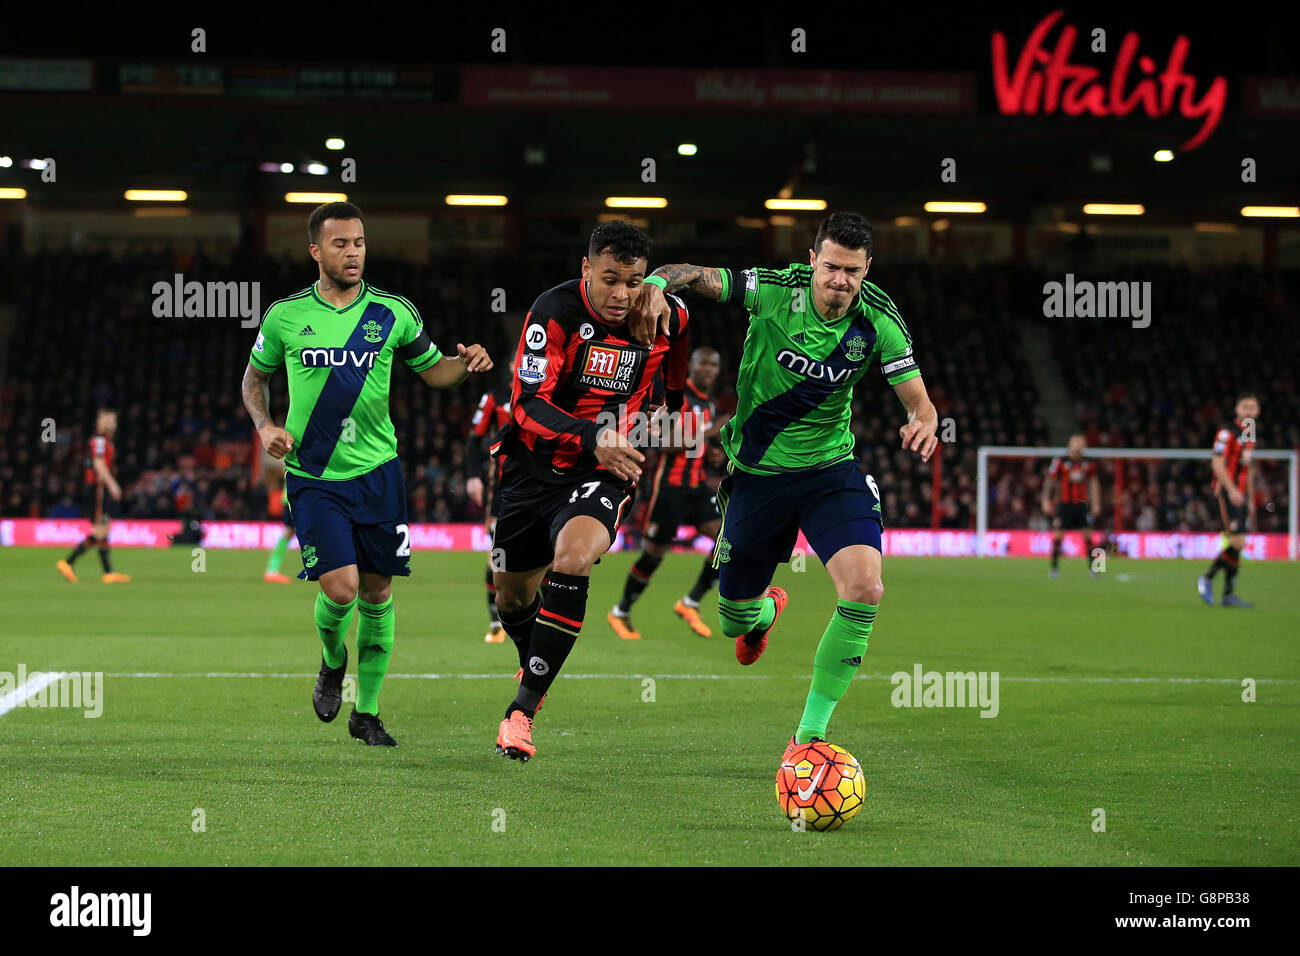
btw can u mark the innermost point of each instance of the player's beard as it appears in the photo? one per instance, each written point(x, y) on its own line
point(341, 280)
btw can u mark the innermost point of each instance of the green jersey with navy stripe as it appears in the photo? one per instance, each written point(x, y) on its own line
point(339, 362)
point(797, 372)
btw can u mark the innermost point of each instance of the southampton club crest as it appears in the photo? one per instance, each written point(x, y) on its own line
point(372, 330)
point(724, 551)
point(309, 556)
point(855, 349)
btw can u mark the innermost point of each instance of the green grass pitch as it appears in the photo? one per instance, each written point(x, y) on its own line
point(1123, 694)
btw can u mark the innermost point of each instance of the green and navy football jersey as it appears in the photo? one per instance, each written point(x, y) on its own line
point(797, 372)
point(339, 362)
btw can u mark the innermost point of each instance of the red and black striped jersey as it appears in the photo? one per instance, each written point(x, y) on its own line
point(101, 446)
point(683, 468)
point(1072, 479)
point(492, 415)
point(493, 412)
point(575, 374)
point(1236, 452)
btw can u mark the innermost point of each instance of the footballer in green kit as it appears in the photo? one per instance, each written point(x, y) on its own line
point(814, 330)
point(337, 341)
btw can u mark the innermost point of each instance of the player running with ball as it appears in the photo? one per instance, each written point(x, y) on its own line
point(813, 332)
point(338, 341)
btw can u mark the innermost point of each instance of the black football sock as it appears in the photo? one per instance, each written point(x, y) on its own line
point(492, 598)
point(708, 574)
point(519, 625)
point(81, 548)
point(1056, 553)
point(637, 579)
point(104, 559)
point(554, 633)
point(1218, 562)
point(1231, 563)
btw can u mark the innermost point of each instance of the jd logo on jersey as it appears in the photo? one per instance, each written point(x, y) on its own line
point(337, 358)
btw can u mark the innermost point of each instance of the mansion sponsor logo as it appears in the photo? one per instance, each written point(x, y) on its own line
point(82, 691)
point(611, 367)
point(208, 300)
point(78, 909)
point(950, 689)
point(1098, 300)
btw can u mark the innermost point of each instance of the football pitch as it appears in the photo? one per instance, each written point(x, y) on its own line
point(1120, 701)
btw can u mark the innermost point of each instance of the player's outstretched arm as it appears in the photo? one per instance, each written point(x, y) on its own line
point(652, 314)
point(922, 418)
point(257, 399)
point(705, 280)
point(447, 372)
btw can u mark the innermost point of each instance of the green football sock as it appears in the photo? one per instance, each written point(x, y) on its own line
point(277, 555)
point(332, 621)
point(838, 657)
point(741, 617)
point(374, 647)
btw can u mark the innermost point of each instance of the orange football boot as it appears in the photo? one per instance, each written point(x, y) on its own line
point(515, 737)
point(750, 647)
point(623, 627)
point(275, 577)
point(691, 615)
point(114, 577)
point(65, 569)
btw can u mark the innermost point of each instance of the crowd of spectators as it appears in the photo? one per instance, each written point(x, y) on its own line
point(86, 336)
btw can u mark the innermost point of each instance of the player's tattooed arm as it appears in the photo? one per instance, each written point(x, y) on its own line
point(257, 399)
point(651, 315)
point(704, 280)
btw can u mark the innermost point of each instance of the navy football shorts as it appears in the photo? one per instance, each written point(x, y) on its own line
point(762, 515)
point(359, 521)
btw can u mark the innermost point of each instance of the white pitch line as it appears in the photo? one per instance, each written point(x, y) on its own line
point(502, 676)
point(34, 684)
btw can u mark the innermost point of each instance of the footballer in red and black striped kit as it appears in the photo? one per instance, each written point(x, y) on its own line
point(681, 496)
point(1233, 486)
point(492, 415)
point(100, 495)
point(1071, 484)
point(582, 385)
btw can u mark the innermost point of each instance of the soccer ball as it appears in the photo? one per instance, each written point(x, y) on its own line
point(822, 782)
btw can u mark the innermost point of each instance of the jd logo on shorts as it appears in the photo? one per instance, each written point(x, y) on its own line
point(724, 550)
point(309, 558)
point(372, 330)
point(539, 666)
